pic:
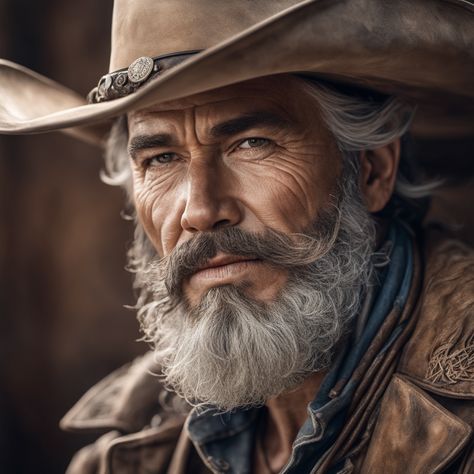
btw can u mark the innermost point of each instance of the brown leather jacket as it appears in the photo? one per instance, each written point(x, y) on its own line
point(422, 424)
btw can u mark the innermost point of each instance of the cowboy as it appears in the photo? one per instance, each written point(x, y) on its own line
point(301, 319)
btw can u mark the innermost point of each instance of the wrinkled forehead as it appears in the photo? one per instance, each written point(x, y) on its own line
point(282, 95)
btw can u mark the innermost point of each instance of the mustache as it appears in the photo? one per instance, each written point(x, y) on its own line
point(274, 247)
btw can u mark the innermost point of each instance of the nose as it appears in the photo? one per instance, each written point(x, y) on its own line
point(209, 201)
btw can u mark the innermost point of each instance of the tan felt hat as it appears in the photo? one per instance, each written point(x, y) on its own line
point(422, 50)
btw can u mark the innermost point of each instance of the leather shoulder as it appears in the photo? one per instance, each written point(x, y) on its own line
point(144, 422)
point(413, 433)
point(127, 400)
point(440, 354)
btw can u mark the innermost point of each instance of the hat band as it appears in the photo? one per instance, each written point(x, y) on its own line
point(127, 80)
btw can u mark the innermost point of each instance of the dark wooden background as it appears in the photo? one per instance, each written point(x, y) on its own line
point(63, 243)
point(62, 247)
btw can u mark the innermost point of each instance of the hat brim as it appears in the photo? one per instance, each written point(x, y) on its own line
point(368, 43)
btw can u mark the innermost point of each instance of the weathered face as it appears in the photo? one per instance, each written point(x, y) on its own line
point(254, 155)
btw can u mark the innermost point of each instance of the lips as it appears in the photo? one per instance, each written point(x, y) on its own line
point(251, 274)
point(222, 260)
point(223, 269)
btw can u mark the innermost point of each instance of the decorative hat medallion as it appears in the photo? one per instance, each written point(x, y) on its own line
point(140, 69)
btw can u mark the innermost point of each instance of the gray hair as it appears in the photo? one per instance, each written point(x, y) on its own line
point(359, 121)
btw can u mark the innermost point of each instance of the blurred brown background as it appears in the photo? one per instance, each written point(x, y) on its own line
point(63, 243)
point(62, 247)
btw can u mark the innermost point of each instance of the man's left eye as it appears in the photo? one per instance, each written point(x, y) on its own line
point(254, 142)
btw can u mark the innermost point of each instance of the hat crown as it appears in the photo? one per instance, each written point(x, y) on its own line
point(426, 56)
point(157, 27)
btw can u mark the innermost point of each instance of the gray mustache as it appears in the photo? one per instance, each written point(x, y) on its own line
point(277, 248)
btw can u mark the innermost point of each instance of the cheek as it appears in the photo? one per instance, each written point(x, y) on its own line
point(156, 199)
point(287, 190)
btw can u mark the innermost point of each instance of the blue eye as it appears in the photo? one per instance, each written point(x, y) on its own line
point(162, 159)
point(254, 142)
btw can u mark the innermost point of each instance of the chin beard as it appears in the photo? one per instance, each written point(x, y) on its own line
point(234, 351)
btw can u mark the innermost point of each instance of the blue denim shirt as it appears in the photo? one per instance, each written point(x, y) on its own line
point(226, 441)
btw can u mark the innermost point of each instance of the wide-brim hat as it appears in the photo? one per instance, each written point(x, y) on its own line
point(421, 50)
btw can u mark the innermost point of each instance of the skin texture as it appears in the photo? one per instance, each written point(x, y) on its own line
point(252, 155)
point(210, 181)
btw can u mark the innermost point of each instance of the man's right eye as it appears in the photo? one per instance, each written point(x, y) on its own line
point(159, 160)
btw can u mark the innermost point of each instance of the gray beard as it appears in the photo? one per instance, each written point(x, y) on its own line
point(234, 351)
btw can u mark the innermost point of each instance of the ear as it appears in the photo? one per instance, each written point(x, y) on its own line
point(378, 173)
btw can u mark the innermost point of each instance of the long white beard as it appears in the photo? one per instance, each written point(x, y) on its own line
point(231, 350)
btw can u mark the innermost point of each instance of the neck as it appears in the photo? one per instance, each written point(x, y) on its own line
point(286, 415)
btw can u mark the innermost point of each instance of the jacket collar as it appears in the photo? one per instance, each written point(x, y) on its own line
point(440, 354)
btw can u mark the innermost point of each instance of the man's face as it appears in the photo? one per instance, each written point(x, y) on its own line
point(264, 240)
point(253, 156)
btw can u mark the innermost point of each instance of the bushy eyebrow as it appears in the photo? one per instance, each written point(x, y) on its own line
point(221, 130)
point(246, 122)
point(141, 142)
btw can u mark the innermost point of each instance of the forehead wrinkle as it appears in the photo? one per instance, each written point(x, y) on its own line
point(190, 126)
point(193, 103)
point(175, 106)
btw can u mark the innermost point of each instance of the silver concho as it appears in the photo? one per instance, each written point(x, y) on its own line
point(140, 69)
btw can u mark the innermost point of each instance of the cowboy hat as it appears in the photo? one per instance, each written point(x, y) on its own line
point(421, 50)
